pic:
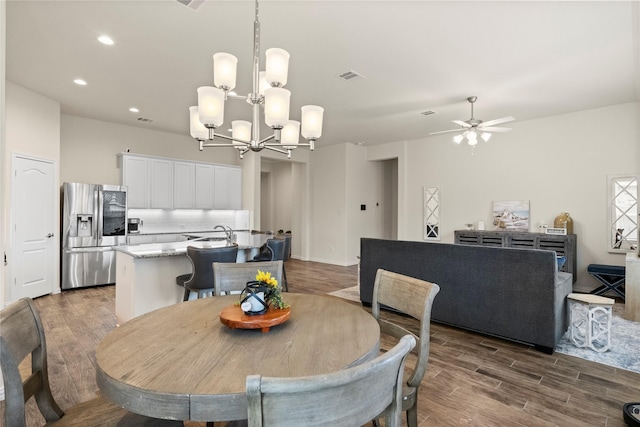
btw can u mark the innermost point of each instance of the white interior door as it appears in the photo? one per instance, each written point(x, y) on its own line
point(33, 217)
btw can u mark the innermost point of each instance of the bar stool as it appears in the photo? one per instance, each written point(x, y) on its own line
point(611, 276)
point(590, 321)
point(202, 259)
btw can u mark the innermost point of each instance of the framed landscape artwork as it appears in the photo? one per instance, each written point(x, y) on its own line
point(512, 215)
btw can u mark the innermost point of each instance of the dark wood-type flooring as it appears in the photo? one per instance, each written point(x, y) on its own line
point(473, 380)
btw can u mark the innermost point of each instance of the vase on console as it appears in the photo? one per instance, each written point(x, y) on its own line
point(565, 221)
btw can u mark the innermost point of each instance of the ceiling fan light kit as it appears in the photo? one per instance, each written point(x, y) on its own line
point(473, 127)
point(268, 92)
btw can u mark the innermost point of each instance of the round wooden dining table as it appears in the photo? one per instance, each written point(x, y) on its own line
point(180, 362)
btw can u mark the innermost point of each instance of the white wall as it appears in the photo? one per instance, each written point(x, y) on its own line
point(329, 193)
point(365, 186)
point(89, 149)
point(33, 129)
point(559, 164)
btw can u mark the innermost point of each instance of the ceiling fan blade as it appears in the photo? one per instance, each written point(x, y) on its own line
point(447, 131)
point(497, 121)
point(493, 129)
point(461, 123)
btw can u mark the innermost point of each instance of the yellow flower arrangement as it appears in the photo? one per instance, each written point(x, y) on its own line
point(273, 295)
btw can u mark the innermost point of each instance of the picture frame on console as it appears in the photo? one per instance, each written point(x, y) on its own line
point(511, 215)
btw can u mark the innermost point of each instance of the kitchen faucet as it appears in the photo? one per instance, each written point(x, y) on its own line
point(227, 230)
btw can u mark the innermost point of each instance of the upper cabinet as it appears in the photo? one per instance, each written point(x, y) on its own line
point(183, 185)
point(135, 175)
point(159, 183)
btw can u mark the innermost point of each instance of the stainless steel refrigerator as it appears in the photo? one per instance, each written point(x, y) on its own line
point(94, 220)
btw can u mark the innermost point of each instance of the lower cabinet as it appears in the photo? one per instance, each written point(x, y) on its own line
point(139, 239)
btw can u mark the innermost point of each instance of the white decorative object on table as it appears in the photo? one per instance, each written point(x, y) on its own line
point(590, 321)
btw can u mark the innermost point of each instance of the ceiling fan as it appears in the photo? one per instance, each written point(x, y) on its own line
point(473, 127)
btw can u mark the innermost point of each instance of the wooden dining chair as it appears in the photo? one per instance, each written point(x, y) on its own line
point(349, 397)
point(200, 280)
point(230, 277)
point(276, 250)
point(21, 336)
point(413, 297)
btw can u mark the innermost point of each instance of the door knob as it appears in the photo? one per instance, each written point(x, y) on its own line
point(50, 235)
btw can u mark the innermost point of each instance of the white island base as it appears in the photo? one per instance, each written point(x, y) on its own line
point(146, 274)
point(146, 284)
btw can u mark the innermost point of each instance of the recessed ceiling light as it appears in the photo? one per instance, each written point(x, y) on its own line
point(80, 82)
point(134, 110)
point(105, 40)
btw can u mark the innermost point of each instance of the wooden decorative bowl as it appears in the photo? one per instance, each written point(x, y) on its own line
point(235, 318)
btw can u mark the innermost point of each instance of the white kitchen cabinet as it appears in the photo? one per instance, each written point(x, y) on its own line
point(183, 185)
point(204, 186)
point(235, 188)
point(161, 184)
point(135, 176)
point(221, 187)
point(139, 239)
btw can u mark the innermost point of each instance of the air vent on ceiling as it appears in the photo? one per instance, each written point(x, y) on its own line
point(350, 75)
point(429, 113)
point(144, 119)
point(192, 4)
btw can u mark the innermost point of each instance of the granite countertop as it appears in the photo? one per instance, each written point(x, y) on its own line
point(244, 240)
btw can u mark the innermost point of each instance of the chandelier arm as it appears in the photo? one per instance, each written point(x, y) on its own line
point(269, 138)
point(235, 142)
point(279, 150)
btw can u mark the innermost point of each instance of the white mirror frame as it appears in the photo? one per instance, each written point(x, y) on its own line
point(622, 213)
point(431, 213)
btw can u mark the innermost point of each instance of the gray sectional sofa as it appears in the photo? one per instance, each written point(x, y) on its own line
point(516, 294)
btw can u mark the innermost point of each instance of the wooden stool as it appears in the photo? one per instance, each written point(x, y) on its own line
point(590, 321)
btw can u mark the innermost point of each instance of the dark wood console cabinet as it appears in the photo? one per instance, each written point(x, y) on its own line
point(562, 245)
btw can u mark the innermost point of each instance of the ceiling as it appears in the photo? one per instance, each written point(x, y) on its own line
point(523, 59)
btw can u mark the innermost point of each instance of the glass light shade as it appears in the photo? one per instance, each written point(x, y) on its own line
point(485, 136)
point(458, 139)
point(290, 134)
point(262, 82)
point(198, 131)
point(276, 107)
point(472, 135)
point(224, 70)
point(472, 142)
point(241, 130)
point(211, 106)
point(277, 65)
point(312, 121)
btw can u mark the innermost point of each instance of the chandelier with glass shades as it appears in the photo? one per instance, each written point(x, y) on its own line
point(268, 92)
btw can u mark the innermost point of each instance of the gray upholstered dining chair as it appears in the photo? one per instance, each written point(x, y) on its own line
point(230, 277)
point(21, 336)
point(413, 297)
point(201, 279)
point(349, 397)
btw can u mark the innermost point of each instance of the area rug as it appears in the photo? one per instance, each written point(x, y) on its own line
point(624, 352)
point(352, 293)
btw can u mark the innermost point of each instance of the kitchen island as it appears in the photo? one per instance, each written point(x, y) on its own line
point(146, 274)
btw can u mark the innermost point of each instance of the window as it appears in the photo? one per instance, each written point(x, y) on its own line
point(622, 213)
